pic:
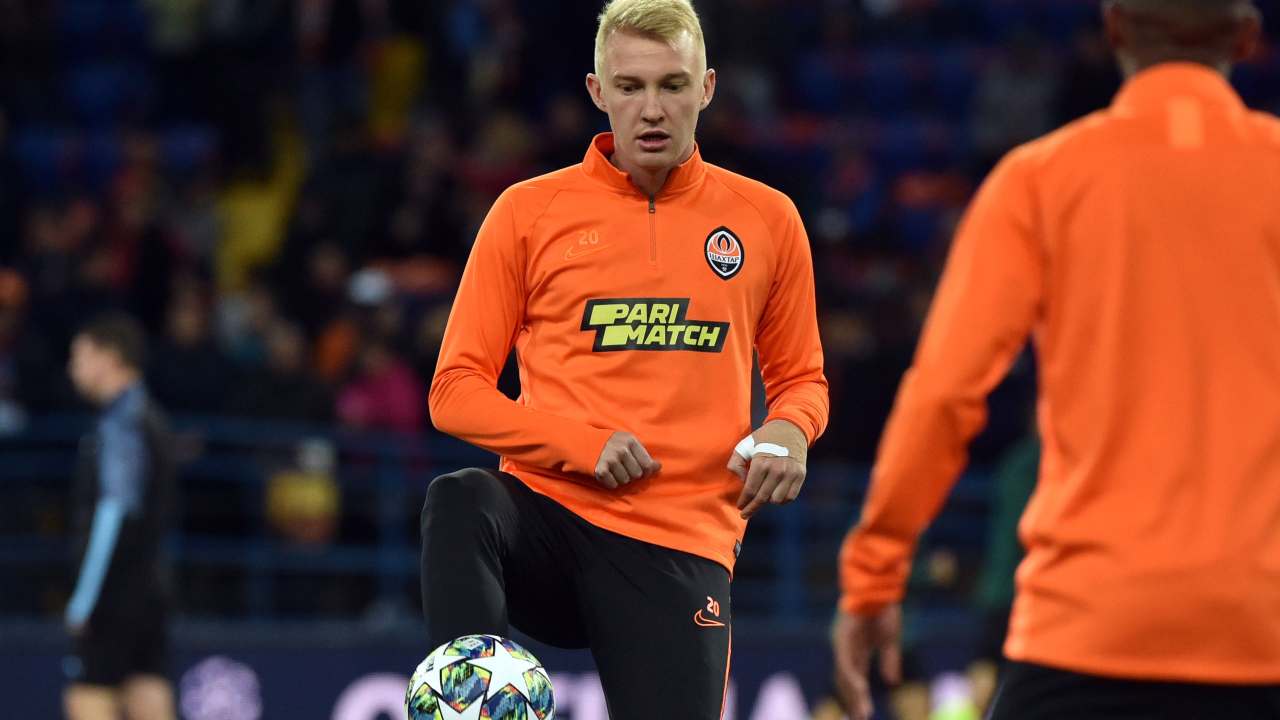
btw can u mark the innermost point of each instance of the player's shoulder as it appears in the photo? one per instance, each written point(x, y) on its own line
point(1267, 127)
point(529, 198)
point(767, 200)
point(125, 415)
point(547, 184)
point(1067, 143)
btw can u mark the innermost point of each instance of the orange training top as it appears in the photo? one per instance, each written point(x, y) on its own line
point(635, 314)
point(1140, 248)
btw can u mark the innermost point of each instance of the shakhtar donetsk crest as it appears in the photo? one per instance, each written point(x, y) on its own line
point(724, 252)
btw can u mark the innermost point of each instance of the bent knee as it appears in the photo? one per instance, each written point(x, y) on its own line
point(460, 492)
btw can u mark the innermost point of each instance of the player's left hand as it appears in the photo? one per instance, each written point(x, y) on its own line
point(76, 616)
point(74, 627)
point(769, 478)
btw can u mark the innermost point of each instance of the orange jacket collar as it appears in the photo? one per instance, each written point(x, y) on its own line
point(686, 175)
point(1153, 87)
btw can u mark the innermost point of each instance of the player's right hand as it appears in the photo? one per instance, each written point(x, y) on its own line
point(855, 638)
point(623, 460)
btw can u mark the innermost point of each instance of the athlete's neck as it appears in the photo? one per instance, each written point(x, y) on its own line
point(116, 385)
point(649, 182)
point(1133, 64)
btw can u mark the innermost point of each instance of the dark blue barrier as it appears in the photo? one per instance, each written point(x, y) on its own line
point(775, 676)
point(786, 571)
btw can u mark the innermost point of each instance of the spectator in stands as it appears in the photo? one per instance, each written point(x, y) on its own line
point(13, 413)
point(192, 223)
point(385, 395)
point(304, 500)
point(314, 287)
point(190, 373)
point(285, 388)
point(244, 319)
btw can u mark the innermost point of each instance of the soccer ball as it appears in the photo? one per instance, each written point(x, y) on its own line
point(480, 677)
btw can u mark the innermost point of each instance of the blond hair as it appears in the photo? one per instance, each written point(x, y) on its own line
point(665, 20)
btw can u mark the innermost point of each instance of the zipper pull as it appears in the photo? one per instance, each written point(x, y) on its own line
point(652, 209)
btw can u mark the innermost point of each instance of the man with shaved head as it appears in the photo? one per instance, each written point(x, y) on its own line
point(1205, 32)
point(1139, 248)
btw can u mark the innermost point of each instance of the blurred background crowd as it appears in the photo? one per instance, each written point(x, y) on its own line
point(285, 192)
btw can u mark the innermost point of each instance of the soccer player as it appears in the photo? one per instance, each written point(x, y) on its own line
point(118, 612)
point(1140, 249)
point(634, 288)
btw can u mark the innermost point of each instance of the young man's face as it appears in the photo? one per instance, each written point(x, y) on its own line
point(653, 92)
point(86, 367)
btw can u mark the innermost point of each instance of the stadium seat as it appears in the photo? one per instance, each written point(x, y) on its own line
point(103, 95)
point(45, 157)
point(888, 79)
point(952, 79)
point(184, 148)
point(101, 159)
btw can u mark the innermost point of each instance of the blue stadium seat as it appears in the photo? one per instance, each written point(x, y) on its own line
point(1061, 19)
point(92, 29)
point(888, 79)
point(182, 149)
point(102, 157)
point(820, 83)
point(1004, 17)
point(900, 144)
point(918, 227)
point(103, 95)
point(44, 156)
point(953, 77)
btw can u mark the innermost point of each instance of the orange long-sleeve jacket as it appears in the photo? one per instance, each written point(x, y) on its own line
point(636, 314)
point(1140, 249)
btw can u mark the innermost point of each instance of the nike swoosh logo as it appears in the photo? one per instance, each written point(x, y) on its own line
point(702, 621)
point(576, 251)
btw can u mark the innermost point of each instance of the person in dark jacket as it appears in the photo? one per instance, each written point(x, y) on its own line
point(118, 612)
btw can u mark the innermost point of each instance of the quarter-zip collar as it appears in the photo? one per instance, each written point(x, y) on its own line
point(1150, 90)
point(685, 176)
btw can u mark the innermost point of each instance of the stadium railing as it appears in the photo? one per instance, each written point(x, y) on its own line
point(235, 564)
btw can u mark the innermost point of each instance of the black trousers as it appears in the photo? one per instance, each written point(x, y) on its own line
point(657, 621)
point(1036, 692)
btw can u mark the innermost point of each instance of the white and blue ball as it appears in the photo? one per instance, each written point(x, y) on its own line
point(480, 677)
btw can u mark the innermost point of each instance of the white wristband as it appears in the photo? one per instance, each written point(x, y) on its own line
point(748, 448)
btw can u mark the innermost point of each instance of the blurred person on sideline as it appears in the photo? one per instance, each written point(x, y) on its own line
point(1138, 247)
point(118, 613)
point(634, 287)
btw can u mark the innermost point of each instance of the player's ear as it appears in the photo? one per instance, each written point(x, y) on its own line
point(1113, 21)
point(1248, 37)
point(595, 88)
point(708, 88)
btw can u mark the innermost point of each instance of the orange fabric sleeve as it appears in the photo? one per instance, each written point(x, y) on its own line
point(486, 318)
point(787, 340)
point(986, 305)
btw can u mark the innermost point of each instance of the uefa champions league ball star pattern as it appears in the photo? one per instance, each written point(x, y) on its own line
point(480, 677)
